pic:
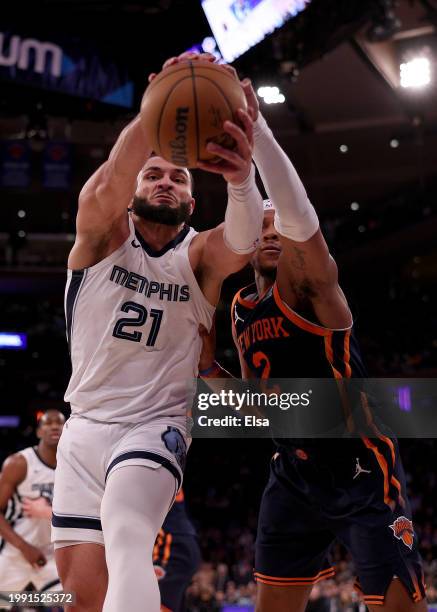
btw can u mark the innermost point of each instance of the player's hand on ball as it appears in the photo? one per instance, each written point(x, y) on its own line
point(33, 555)
point(188, 55)
point(234, 165)
point(37, 508)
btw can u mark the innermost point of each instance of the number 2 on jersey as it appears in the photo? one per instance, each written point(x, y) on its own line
point(141, 318)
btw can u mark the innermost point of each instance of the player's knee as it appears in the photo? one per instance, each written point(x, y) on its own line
point(131, 530)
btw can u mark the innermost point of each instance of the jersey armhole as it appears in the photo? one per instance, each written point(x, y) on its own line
point(301, 322)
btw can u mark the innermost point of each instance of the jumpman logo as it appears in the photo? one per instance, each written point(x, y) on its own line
point(134, 244)
point(237, 318)
point(360, 470)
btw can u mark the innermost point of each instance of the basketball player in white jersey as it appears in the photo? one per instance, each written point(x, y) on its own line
point(26, 491)
point(140, 283)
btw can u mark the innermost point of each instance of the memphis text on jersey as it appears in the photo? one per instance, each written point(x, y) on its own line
point(140, 284)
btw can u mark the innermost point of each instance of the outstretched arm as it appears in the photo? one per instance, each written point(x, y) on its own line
point(230, 246)
point(306, 270)
point(102, 222)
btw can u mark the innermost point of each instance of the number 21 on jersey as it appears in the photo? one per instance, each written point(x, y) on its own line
point(141, 318)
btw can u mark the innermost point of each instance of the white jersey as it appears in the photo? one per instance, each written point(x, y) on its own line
point(39, 481)
point(133, 331)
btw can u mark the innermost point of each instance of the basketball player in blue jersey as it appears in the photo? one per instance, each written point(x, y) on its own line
point(352, 490)
point(26, 490)
point(140, 283)
point(176, 556)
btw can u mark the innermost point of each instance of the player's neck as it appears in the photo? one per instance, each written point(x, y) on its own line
point(156, 235)
point(263, 283)
point(47, 453)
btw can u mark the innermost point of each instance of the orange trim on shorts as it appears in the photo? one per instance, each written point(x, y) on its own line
point(393, 480)
point(274, 581)
point(167, 548)
point(383, 465)
point(312, 328)
point(165, 609)
point(390, 444)
point(374, 600)
point(330, 354)
point(158, 543)
point(180, 497)
point(347, 354)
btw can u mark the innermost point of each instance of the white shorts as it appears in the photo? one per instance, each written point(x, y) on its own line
point(89, 451)
point(16, 573)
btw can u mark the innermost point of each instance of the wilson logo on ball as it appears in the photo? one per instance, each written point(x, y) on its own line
point(179, 143)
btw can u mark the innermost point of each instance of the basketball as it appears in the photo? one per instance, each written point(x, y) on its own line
point(184, 108)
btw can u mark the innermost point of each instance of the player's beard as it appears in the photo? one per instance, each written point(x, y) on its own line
point(161, 213)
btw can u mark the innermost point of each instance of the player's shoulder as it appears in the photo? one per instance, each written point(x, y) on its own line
point(15, 467)
point(246, 296)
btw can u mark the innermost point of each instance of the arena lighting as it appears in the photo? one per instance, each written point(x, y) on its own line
point(355, 206)
point(415, 73)
point(344, 148)
point(21, 214)
point(11, 340)
point(394, 143)
point(271, 95)
point(12, 420)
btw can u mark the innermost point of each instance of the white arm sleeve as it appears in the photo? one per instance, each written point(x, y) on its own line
point(295, 217)
point(244, 216)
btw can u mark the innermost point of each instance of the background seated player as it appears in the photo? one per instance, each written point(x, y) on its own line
point(26, 491)
point(176, 556)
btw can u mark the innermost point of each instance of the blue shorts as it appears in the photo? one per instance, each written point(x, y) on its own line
point(357, 498)
point(176, 558)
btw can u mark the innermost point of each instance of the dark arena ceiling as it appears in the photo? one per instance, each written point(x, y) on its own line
point(337, 64)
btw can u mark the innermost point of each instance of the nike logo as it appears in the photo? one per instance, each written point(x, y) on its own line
point(135, 244)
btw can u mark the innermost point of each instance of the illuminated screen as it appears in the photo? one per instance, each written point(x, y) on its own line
point(238, 25)
point(11, 340)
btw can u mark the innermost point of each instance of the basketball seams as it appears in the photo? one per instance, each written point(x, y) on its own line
point(222, 99)
point(221, 91)
point(223, 96)
point(205, 66)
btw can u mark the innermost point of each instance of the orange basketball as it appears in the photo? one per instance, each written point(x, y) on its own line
point(184, 108)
